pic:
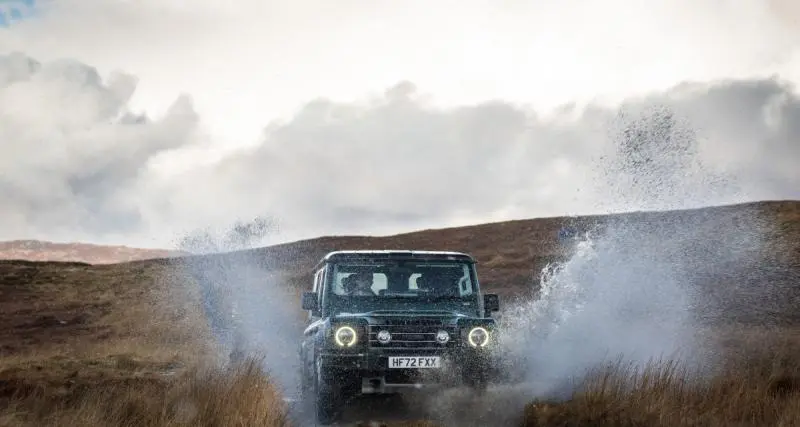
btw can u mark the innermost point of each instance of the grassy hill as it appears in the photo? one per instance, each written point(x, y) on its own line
point(72, 334)
point(38, 250)
point(735, 249)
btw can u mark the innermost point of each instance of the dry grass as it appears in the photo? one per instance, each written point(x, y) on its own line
point(82, 311)
point(757, 384)
point(240, 395)
point(115, 345)
point(125, 345)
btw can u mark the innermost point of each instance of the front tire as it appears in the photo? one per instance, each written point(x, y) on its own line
point(326, 399)
point(477, 381)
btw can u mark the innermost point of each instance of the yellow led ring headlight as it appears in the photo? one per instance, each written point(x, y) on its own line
point(478, 337)
point(345, 336)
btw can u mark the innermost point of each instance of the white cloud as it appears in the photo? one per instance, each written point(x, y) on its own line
point(356, 159)
point(250, 61)
point(72, 152)
point(399, 163)
point(79, 165)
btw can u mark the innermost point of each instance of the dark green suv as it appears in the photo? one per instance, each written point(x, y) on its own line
point(389, 321)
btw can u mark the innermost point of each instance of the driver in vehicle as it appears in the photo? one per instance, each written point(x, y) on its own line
point(439, 285)
point(358, 284)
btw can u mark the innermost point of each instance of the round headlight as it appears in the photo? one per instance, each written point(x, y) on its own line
point(442, 337)
point(478, 337)
point(345, 336)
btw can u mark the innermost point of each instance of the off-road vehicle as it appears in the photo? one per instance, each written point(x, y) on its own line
point(391, 321)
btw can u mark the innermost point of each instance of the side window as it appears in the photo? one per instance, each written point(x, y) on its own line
point(321, 284)
point(412, 281)
point(316, 281)
point(318, 285)
point(465, 287)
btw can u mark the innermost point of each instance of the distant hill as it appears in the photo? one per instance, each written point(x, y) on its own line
point(512, 254)
point(38, 250)
point(742, 259)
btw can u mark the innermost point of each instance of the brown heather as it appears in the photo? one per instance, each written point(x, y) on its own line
point(106, 345)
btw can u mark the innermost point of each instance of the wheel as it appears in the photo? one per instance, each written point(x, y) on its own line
point(326, 399)
point(324, 403)
point(479, 387)
point(478, 382)
point(306, 378)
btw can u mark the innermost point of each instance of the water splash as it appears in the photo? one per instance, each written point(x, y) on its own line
point(633, 286)
point(244, 301)
point(610, 299)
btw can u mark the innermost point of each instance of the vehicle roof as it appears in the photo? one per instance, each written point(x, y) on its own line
point(395, 254)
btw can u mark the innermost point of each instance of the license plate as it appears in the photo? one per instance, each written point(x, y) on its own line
point(415, 362)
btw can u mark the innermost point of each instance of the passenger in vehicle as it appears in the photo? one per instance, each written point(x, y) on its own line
point(358, 284)
point(438, 284)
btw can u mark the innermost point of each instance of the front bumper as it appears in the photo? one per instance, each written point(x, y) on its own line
point(369, 371)
point(379, 361)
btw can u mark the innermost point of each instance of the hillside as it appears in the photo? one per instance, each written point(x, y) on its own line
point(76, 327)
point(761, 243)
point(38, 250)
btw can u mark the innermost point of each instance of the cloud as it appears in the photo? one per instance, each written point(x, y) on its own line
point(396, 161)
point(73, 154)
point(249, 61)
point(79, 164)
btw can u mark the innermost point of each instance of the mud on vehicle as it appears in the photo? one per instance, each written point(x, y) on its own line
point(389, 321)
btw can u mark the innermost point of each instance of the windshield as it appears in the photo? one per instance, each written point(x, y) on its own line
point(402, 285)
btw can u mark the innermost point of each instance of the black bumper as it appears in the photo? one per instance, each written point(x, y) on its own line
point(456, 365)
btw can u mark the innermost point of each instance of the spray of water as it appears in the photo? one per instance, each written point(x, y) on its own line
point(637, 288)
point(634, 286)
point(611, 299)
point(247, 307)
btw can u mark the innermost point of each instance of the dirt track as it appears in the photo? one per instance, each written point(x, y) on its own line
point(500, 406)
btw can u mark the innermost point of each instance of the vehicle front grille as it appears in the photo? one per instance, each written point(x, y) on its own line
point(412, 334)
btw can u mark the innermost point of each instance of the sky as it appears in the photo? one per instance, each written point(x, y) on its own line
point(136, 122)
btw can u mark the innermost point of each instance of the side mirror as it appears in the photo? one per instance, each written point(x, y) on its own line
point(309, 301)
point(491, 302)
